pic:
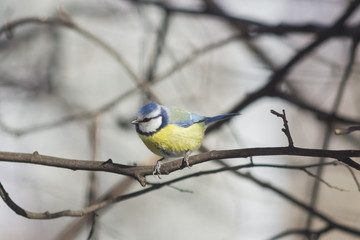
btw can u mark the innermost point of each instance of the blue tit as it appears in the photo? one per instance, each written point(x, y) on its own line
point(171, 131)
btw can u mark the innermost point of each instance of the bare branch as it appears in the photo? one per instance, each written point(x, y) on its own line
point(322, 180)
point(5, 196)
point(353, 176)
point(139, 172)
point(311, 235)
point(286, 129)
point(343, 131)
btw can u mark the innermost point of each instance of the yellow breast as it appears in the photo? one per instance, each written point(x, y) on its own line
point(173, 140)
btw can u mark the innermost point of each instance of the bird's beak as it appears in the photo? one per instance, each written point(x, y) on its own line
point(135, 122)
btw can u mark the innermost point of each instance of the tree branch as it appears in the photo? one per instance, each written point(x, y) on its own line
point(139, 172)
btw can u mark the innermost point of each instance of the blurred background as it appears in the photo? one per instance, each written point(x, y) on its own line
point(72, 92)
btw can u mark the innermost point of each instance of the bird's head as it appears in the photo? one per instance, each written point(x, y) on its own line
point(150, 119)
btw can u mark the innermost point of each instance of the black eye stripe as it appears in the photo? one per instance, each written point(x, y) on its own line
point(148, 119)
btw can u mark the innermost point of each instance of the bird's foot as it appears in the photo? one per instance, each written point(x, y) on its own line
point(186, 158)
point(157, 168)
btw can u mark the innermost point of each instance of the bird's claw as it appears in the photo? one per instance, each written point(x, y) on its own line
point(157, 169)
point(186, 158)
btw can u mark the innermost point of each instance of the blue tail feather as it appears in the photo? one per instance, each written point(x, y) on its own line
point(209, 120)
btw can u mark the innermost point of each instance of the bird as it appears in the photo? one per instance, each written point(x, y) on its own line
point(172, 131)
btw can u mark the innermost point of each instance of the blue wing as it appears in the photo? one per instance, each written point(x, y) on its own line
point(183, 118)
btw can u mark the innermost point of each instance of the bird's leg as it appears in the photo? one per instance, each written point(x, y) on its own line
point(186, 158)
point(157, 168)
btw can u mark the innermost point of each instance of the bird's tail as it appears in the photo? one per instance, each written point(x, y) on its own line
point(209, 120)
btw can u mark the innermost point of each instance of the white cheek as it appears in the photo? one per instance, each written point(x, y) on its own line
point(150, 126)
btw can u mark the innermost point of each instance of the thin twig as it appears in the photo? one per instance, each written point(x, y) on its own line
point(195, 54)
point(322, 180)
point(353, 175)
point(343, 131)
point(286, 129)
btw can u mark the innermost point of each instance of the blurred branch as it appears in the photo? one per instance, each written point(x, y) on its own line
point(117, 99)
point(320, 180)
point(93, 181)
point(69, 118)
point(107, 201)
point(320, 114)
point(329, 124)
point(353, 176)
point(93, 226)
point(270, 89)
point(66, 21)
point(242, 29)
point(311, 235)
point(297, 202)
point(254, 27)
point(195, 54)
point(160, 43)
point(342, 131)
point(72, 230)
